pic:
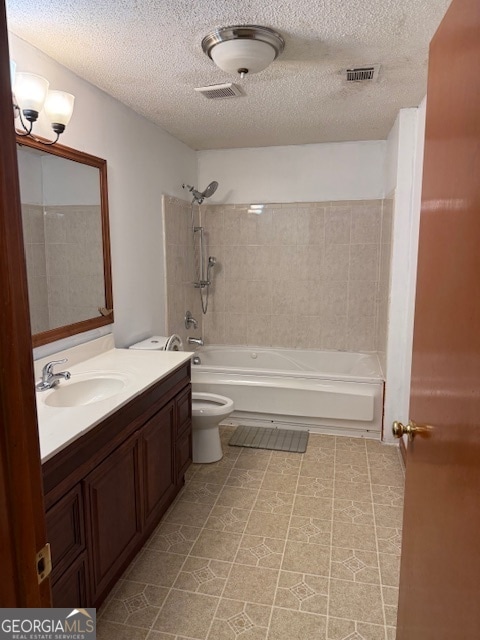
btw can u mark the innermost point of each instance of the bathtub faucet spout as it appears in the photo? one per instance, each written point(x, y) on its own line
point(197, 341)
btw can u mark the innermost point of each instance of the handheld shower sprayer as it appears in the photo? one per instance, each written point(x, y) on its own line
point(212, 261)
point(203, 265)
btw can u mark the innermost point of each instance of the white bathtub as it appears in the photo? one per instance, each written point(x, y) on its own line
point(326, 391)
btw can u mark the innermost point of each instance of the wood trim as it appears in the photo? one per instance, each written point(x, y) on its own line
point(107, 257)
point(22, 518)
point(61, 151)
point(99, 163)
point(70, 330)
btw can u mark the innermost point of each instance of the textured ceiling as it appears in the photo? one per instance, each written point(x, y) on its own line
point(147, 54)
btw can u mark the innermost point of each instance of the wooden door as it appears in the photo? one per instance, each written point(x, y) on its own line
point(22, 520)
point(440, 567)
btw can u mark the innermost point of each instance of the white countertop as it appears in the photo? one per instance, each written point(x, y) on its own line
point(59, 426)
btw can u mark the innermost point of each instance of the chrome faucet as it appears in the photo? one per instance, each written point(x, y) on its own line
point(197, 341)
point(50, 379)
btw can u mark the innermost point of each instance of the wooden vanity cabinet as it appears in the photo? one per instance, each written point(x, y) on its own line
point(106, 492)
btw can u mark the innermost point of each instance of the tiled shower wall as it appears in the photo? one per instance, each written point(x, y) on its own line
point(64, 252)
point(180, 271)
point(301, 275)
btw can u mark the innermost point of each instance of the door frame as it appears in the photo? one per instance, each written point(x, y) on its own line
point(22, 516)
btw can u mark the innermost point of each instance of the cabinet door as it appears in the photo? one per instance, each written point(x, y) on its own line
point(65, 530)
point(183, 444)
point(184, 454)
point(114, 514)
point(70, 591)
point(157, 438)
point(184, 411)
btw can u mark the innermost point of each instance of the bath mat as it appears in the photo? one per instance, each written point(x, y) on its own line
point(266, 438)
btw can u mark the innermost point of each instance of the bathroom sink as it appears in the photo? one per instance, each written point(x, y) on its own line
point(82, 392)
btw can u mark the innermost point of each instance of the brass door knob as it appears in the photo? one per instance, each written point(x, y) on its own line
point(410, 429)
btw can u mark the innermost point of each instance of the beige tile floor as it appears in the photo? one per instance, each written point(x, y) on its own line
point(265, 545)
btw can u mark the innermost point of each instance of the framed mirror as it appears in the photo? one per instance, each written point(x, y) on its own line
point(64, 199)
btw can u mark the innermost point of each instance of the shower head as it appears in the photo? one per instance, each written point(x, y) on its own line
point(200, 197)
point(210, 190)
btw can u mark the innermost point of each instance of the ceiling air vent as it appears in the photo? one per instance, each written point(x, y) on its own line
point(360, 74)
point(216, 91)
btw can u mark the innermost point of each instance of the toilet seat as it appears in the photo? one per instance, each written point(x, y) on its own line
point(210, 404)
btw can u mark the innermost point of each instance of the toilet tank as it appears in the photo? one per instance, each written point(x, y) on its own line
point(160, 343)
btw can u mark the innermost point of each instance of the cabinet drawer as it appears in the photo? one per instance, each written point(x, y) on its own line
point(65, 530)
point(184, 411)
point(183, 452)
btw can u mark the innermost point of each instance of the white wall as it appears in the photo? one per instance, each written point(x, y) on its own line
point(303, 173)
point(404, 177)
point(143, 162)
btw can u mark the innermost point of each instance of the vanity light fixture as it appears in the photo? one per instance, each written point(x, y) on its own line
point(243, 49)
point(31, 94)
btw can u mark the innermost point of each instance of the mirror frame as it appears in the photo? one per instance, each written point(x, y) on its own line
point(92, 323)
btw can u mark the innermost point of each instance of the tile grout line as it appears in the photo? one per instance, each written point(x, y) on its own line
point(331, 537)
point(284, 547)
point(377, 547)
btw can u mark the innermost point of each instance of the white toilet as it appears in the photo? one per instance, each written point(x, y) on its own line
point(208, 409)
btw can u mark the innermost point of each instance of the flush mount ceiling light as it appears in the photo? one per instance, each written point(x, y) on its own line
point(30, 95)
point(243, 49)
